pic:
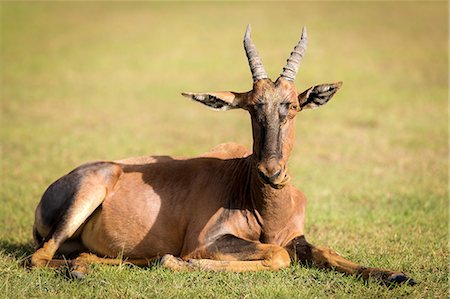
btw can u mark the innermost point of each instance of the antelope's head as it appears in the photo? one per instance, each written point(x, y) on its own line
point(273, 107)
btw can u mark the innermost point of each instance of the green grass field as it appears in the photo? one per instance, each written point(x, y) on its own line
point(102, 81)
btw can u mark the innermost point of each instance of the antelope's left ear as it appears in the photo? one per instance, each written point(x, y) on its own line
point(317, 95)
point(220, 101)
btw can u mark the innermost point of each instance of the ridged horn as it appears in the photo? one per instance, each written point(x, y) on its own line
point(254, 61)
point(293, 62)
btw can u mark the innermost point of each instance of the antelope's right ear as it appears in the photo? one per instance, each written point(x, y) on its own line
point(219, 101)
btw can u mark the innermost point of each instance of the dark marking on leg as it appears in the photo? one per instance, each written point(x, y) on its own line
point(230, 253)
point(231, 245)
point(300, 250)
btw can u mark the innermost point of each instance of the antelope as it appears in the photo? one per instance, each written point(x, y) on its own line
point(229, 209)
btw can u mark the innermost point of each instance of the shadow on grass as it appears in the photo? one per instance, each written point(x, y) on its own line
point(18, 251)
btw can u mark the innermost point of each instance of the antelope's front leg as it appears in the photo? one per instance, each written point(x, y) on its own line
point(230, 253)
point(299, 249)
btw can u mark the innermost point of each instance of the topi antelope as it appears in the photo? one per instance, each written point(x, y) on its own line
point(227, 210)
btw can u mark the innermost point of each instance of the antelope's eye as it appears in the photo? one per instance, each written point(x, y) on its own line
point(283, 110)
point(293, 107)
point(259, 105)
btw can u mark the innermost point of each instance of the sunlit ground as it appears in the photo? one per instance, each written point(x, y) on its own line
point(102, 81)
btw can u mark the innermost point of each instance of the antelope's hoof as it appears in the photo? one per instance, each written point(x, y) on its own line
point(171, 262)
point(77, 275)
point(26, 263)
point(400, 278)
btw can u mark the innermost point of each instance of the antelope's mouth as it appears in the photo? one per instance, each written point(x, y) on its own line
point(283, 182)
point(278, 183)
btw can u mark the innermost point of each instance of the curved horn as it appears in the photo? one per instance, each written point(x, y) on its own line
point(293, 62)
point(254, 61)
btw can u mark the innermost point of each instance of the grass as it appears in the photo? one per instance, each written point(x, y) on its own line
point(90, 81)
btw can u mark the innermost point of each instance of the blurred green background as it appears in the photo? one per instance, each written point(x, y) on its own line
point(102, 81)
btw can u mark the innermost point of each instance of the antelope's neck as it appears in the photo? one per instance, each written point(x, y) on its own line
point(273, 206)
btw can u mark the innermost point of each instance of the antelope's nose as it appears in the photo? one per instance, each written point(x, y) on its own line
point(271, 171)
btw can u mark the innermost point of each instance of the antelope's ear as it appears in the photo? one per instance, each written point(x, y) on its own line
point(220, 101)
point(317, 95)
